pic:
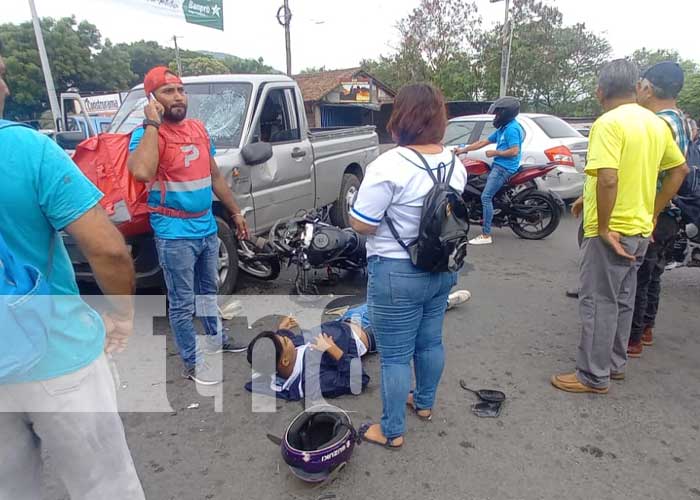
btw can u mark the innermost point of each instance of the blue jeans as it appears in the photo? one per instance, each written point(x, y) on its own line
point(497, 178)
point(406, 308)
point(191, 276)
point(359, 315)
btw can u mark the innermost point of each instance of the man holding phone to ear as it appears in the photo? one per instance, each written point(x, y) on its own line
point(175, 155)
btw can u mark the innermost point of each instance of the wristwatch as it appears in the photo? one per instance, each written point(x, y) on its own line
point(152, 123)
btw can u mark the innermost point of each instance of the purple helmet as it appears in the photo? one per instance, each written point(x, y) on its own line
point(317, 441)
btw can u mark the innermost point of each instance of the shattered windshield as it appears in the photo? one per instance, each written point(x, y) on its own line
point(221, 106)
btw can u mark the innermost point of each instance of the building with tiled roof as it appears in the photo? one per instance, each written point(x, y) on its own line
point(344, 97)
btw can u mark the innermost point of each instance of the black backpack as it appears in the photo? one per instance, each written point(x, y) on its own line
point(443, 233)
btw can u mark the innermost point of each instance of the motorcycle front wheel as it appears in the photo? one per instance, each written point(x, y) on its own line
point(536, 215)
point(266, 268)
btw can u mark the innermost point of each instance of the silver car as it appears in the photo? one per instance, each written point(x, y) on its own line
point(547, 139)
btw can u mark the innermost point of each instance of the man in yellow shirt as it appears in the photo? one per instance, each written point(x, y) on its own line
point(629, 146)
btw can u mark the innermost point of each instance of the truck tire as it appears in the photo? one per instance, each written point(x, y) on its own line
point(340, 211)
point(227, 265)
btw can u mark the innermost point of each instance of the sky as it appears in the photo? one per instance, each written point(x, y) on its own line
point(340, 33)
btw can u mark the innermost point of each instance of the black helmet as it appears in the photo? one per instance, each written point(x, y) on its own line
point(317, 441)
point(505, 109)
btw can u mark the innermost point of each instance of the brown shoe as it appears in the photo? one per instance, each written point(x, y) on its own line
point(634, 349)
point(648, 336)
point(570, 383)
point(617, 376)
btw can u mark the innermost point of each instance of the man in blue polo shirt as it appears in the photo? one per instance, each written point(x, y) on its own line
point(508, 138)
point(65, 405)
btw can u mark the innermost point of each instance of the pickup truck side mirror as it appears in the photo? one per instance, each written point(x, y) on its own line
point(69, 140)
point(256, 153)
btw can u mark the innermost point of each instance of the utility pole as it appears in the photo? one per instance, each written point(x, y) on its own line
point(506, 43)
point(177, 56)
point(284, 17)
point(48, 77)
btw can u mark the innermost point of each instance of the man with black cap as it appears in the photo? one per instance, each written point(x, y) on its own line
point(658, 91)
point(175, 155)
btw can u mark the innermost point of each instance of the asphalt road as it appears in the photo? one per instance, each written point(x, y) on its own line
point(641, 441)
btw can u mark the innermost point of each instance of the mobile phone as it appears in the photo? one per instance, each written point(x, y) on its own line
point(151, 97)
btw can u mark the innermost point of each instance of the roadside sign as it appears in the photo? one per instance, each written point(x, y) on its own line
point(208, 13)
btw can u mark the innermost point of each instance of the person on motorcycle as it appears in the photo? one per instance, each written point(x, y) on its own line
point(508, 138)
point(339, 342)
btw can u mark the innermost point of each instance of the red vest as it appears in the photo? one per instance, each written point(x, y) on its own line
point(184, 164)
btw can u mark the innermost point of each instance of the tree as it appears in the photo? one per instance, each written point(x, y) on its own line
point(69, 47)
point(144, 55)
point(553, 67)
point(313, 69)
point(112, 69)
point(79, 60)
point(437, 44)
point(645, 58)
point(689, 100)
point(201, 66)
point(440, 31)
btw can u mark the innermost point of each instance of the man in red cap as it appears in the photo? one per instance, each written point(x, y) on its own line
point(176, 156)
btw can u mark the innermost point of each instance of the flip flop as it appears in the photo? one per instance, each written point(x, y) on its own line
point(424, 418)
point(386, 444)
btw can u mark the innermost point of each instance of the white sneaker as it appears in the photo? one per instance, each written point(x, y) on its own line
point(202, 374)
point(457, 298)
point(482, 239)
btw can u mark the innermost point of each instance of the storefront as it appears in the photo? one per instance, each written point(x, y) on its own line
point(344, 98)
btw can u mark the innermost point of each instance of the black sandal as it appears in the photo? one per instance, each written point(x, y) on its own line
point(424, 418)
point(386, 444)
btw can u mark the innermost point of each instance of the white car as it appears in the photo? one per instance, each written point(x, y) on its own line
point(547, 139)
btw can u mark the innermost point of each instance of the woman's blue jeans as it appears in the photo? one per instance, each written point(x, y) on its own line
point(406, 308)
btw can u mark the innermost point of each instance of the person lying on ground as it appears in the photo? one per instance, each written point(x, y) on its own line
point(336, 342)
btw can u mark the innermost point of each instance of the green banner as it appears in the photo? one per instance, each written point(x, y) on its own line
point(207, 13)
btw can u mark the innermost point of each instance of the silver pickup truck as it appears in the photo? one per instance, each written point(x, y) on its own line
point(273, 162)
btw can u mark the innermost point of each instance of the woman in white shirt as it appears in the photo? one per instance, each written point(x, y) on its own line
point(406, 304)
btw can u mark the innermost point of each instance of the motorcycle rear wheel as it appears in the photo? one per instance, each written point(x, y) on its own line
point(545, 219)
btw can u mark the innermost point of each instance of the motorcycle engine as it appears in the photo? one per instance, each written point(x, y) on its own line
point(686, 248)
point(330, 243)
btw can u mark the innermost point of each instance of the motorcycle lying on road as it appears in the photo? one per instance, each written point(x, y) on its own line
point(258, 259)
point(308, 242)
point(531, 214)
point(686, 247)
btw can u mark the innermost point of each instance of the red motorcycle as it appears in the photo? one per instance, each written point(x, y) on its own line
point(531, 214)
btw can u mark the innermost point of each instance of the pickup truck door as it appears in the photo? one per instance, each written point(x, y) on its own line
point(284, 184)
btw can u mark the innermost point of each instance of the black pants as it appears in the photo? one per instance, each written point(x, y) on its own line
point(646, 303)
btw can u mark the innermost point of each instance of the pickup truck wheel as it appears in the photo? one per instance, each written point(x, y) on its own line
point(227, 265)
point(340, 211)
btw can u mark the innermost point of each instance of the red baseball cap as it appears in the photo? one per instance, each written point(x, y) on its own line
point(159, 76)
